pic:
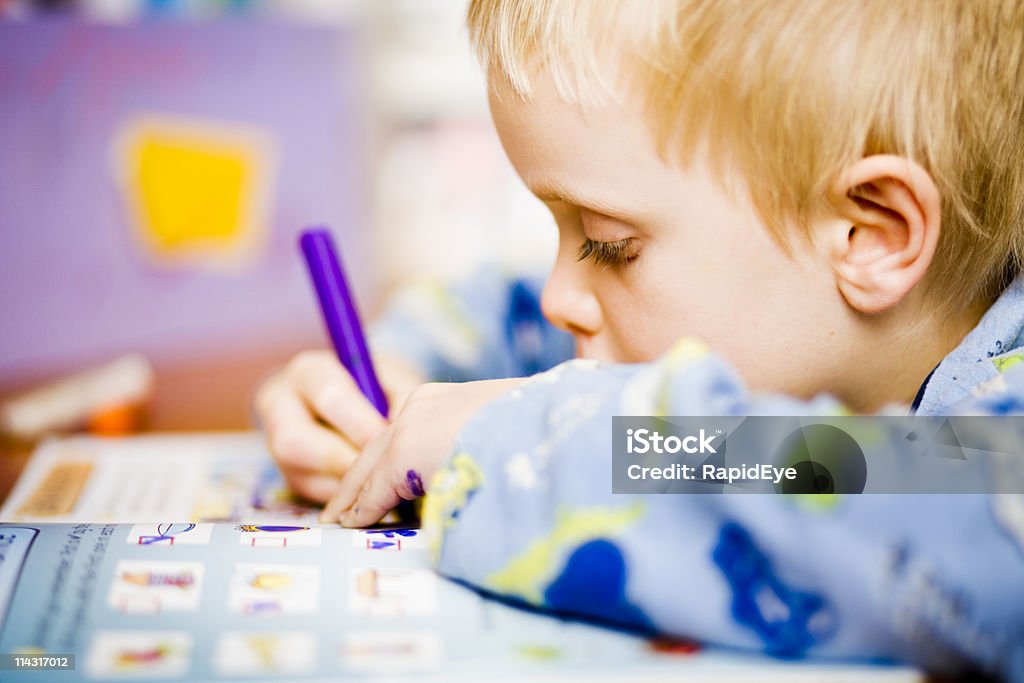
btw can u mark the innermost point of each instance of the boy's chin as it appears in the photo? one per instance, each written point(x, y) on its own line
point(589, 351)
point(594, 352)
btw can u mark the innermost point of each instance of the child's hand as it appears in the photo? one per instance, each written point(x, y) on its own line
point(316, 419)
point(398, 462)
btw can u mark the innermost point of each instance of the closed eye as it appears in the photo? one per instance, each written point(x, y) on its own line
point(609, 254)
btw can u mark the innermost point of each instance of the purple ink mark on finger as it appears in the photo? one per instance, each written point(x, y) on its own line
point(412, 478)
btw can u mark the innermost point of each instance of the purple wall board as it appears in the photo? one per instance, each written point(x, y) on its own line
point(74, 286)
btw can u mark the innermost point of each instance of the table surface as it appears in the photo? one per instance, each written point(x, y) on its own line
point(196, 396)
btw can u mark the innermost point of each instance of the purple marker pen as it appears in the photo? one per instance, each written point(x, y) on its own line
point(340, 314)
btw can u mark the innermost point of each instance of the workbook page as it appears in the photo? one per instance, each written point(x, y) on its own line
point(199, 477)
point(184, 557)
point(200, 601)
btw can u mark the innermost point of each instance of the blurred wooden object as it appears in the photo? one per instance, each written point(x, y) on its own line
point(206, 395)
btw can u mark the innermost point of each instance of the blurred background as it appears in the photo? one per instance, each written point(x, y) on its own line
point(158, 158)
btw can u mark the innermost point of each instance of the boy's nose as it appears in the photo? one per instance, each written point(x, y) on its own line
point(568, 300)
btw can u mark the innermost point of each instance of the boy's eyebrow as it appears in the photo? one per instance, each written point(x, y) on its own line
point(548, 189)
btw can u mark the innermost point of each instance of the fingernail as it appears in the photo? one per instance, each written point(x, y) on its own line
point(347, 518)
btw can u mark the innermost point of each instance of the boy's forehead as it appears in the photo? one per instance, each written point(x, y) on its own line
point(563, 150)
point(604, 157)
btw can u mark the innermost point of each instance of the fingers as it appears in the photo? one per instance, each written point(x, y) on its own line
point(394, 464)
point(294, 406)
point(329, 391)
point(399, 377)
point(311, 485)
point(317, 422)
point(385, 484)
point(297, 440)
point(352, 482)
point(376, 498)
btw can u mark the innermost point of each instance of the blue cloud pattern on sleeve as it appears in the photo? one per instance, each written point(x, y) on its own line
point(788, 621)
point(593, 584)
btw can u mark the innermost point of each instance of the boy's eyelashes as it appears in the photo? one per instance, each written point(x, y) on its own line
point(612, 254)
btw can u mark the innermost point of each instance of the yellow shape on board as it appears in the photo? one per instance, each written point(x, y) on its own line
point(198, 192)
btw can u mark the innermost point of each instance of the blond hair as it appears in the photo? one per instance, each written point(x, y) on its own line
point(792, 91)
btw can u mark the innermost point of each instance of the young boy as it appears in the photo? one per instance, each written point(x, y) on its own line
point(830, 196)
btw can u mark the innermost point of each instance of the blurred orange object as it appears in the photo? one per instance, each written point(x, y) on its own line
point(117, 420)
point(674, 646)
point(72, 402)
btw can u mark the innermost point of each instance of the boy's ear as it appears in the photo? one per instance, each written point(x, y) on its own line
point(884, 238)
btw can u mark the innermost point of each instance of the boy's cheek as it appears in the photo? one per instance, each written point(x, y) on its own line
point(639, 338)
